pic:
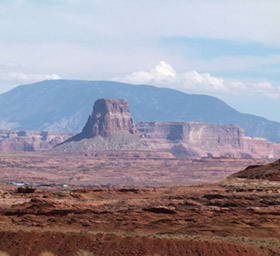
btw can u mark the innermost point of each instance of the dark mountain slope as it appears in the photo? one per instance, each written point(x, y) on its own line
point(269, 171)
point(63, 105)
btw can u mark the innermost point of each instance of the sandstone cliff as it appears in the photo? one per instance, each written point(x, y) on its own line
point(190, 139)
point(109, 116)
point(109, 127)
point(29, 140)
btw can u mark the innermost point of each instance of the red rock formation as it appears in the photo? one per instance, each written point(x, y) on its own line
point(260, 147)
point(109, 116)
point(110, 127)
point(190, 139)
point(29, 140)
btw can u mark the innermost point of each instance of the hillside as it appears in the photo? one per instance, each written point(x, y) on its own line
point(269, 171)
point(63, 105)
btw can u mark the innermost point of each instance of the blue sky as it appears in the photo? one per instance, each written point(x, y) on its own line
point(229, 49)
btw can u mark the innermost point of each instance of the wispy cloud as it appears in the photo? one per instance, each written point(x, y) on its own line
point(11, 73)
point(164, 75)
point(21, 77)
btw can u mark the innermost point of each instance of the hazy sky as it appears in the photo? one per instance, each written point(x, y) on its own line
point(225, 48)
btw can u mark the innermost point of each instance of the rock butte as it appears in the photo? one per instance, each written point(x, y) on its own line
point(109, 117)
point(111, 124)
point(111, 127)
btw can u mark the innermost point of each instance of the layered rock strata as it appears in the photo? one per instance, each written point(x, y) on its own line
point(29, 140)
point(109, 127)
point(109, 116)
point(191, 139)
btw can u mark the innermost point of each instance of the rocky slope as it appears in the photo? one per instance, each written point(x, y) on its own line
point(29, 140)
point(28, 107)
point(269, 171)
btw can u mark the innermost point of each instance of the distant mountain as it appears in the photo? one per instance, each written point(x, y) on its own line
point(64, 105)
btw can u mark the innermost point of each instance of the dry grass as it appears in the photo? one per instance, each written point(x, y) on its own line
point(3, 253)
point(78, 253)
point(46, 253)
point(83, 253)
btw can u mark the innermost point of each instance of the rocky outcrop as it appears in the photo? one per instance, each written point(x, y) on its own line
point(109, 127)
point(267, 172)
point(29, 140)
point(109, 116)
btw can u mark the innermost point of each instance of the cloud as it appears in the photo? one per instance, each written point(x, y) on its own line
point(164, 75)
point(10, 74)
point(22, 77)
point(89, 43)
point(160, 74)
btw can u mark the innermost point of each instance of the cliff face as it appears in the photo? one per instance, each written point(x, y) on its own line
point(206, 136)
point(109, 116)
point(29, 140)
point(189, 139)
point(109, 127)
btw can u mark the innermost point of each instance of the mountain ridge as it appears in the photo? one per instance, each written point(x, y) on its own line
point(63, 105)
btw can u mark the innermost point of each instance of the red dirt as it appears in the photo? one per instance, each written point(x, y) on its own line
point(233, 217)
point(116, 169)
point(31, 243)
point(220, 219)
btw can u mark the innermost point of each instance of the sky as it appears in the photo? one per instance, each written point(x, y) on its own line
point(224, 48)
